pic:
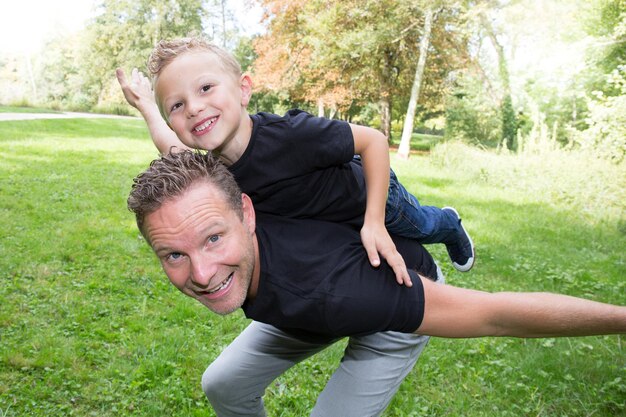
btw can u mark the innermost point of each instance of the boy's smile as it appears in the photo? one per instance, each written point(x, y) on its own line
point(205, 104)
point(204, 126)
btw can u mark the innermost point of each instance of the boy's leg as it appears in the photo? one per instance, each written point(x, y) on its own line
point(236, 381)
point(404, 216)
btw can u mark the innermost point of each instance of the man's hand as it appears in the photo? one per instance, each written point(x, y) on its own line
point(376, 240)
point(138, 92)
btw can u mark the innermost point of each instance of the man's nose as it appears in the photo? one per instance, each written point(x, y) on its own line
point(202, 272)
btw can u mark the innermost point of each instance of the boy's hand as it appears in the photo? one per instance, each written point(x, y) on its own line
point(138, 92)
point(376, 240)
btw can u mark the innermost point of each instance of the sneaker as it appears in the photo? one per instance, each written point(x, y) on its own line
point(462, 251)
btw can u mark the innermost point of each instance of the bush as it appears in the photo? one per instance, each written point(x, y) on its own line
point(606, 134)
point(471, 119)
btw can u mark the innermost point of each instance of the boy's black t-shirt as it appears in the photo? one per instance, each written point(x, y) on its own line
point(316, 278)
point(300, 166)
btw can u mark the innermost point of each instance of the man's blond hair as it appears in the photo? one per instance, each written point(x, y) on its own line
point(167, 50)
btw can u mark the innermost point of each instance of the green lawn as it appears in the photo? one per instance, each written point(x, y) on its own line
point(89, 325)
point(420, 142)
point(20, 109)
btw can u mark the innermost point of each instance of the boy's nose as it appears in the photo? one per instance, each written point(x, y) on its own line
point(194, 107)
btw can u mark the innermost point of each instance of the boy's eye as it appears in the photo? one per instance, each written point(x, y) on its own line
point(175, 106)
point(206, 88)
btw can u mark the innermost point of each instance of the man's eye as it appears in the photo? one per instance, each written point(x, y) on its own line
point(174, 256)
point(213, 239)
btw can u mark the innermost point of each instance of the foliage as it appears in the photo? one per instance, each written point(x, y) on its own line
point(17, 86)
point(91, 327)
point(604, 131)
point(469, 116)
point(345, 53)
point(124, 33)
point(356, 60)
point(606, 134)
point(605, 20)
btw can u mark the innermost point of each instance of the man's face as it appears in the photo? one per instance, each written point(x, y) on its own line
point(205, 249)
point(202, 101)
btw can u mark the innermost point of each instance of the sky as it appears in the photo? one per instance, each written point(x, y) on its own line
point(25, 24)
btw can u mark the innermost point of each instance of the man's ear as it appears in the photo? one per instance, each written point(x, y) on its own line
point(249, 216)
point(245, 83)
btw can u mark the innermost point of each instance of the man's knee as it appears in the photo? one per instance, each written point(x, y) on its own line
point(216, 382)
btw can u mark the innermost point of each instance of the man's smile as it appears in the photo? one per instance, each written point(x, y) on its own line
point(217, 291)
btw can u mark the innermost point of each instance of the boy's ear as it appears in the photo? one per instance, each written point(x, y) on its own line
point(246, 89)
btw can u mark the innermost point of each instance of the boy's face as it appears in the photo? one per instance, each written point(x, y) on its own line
point(203, 103)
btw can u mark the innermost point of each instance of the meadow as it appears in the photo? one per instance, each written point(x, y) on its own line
point(90, 326)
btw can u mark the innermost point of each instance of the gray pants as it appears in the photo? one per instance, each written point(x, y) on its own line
point(369, 375)
point(370, 372)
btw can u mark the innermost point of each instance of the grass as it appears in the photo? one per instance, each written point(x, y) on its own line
point(89, 325)
point(25, 109)
point(420, 142)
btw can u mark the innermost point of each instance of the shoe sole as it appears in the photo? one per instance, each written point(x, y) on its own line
point(470, 262)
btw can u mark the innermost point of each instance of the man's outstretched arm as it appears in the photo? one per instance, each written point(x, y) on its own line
point(457, 312)
point(138, 93)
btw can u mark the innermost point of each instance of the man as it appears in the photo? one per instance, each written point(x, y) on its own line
point(312, 281)
point(370, 372)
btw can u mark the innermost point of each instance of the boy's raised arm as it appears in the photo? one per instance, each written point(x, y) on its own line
point(372, 146)
point(138, 93)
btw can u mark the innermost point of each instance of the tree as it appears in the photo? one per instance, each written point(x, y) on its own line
point(125, 31)
point(347, 54)
point(509, 123)
point(407, 130)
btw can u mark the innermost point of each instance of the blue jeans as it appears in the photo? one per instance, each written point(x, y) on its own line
point(404, 216)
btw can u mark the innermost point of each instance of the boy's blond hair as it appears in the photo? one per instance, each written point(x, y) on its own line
point(167, 50)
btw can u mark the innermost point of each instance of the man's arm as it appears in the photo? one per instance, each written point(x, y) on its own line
point(138, 93)
point(458, 312)
point(372, 146)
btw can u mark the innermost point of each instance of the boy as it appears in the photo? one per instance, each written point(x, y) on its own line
point(297, 165)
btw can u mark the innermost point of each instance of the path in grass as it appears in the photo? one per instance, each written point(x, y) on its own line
point(63, 115)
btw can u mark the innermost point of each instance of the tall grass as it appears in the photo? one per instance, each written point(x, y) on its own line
point(89, 325)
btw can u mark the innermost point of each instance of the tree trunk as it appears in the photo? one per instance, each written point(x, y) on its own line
point(223, 23)
point(385, 117)
point(31, 78)
point(320, 108)
point(407, 130)
point(509, 120)
point(332, 112)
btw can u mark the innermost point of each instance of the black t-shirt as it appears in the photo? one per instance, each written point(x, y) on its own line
point(300, 166)
point(316, 278)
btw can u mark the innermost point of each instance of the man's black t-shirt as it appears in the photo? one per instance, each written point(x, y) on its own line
point(316, 278)
point(299, 166)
